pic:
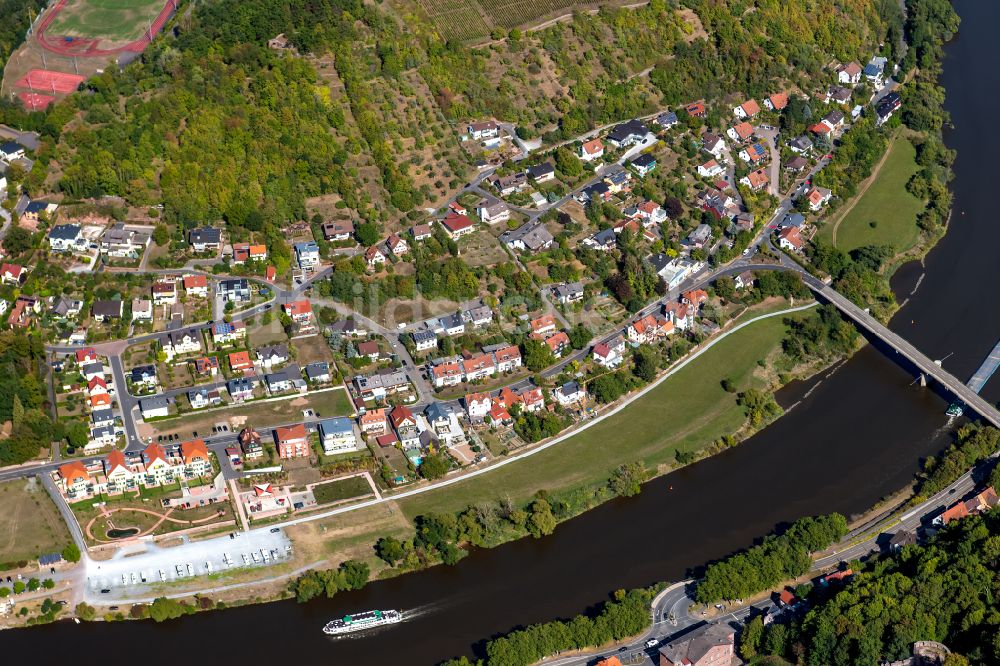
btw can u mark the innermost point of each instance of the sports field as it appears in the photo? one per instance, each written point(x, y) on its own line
point(886, 214)
point(115, 21)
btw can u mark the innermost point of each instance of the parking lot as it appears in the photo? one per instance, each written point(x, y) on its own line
point(132, 571)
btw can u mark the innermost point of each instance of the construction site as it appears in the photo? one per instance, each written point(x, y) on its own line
point(72, 40)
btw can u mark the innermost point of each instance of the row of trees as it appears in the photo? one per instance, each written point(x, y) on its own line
point(777, 558)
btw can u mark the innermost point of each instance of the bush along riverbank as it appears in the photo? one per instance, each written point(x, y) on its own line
point(862, 273)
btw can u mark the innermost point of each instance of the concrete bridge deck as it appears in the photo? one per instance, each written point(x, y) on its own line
point(955, 386)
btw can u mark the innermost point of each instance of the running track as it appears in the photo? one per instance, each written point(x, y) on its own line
point(62, 48)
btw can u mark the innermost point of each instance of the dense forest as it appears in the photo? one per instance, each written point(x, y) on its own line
point(943, 591)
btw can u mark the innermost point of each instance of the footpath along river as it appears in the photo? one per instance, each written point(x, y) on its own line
point(860, 434)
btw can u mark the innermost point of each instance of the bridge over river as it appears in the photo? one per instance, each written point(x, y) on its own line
point(967, 393)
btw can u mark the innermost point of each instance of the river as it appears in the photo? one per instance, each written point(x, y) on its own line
point(854, 435)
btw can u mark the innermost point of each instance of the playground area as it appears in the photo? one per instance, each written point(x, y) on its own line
point(75, 39)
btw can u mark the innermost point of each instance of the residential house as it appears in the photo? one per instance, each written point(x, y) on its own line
point(818, 197)
point(643, 164)
point(747, 109)
point(205, 239)
point(244, 252)
point(744, 280)
point(164, 292)
point(570, 393)
point(627, 134)
point(337, 435)
point(478, 367)
point(13, 274)
point(203, 397)
point(479, 316)
point(154, 406)
point(492, 212)
point(175, 343)
point(667, 119)
point(456, 226)
point(307, 255)
point(610, 354)
point(11, 150)
point(709, 645)
point(397, 246)
point(710, 169)
point(375, 257)
point(292, 441)
point(240, 361)
point(447, 374)
point(196, 285)
point(529, 237)
point(67, 308)
point(421, 232)
point(776, 102)
point(790, 239)
point(106, 310)
point(849, 73)
point(741, 132)
point(507, 358)
point(369, 349)
point(236, 290)
point(713, 145)
point(569, 293)
point(558, 342)
point(754, 153)
point(240, 389)
point(424, 340)
point(478, 405)
point(317, 372)
point(250, 444)
point(541, 173)
point(374, 422)
point(509, 184)
point(67, 238)
point(756, 180)
point(124, 242)
point(592, 150)
point(227, 333)
point(143, 375)
point(206, 365)
point(797, 164)
point(487, 129)
point(299, 311)
point(801, 144)
point(338, 230)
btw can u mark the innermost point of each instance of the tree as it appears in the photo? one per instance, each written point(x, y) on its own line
point(161, 235)
point(390, 550)
point(537, 355)
point(750, 638)
point(627, 479)
point(541, 522)
point(367, 234)
point(355, 574)
point(17, 241)
point(434, 466)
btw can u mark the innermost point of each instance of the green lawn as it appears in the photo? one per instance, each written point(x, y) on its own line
point(685, 412)
point(30, 524)
point(334, 491)
point(113, 20)
point(886, 203)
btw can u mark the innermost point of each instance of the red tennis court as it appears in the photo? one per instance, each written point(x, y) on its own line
point(34, 101)
point(49, 81)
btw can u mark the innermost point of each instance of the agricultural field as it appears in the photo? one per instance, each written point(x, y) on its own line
point(30, 524)
point(116, 21)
